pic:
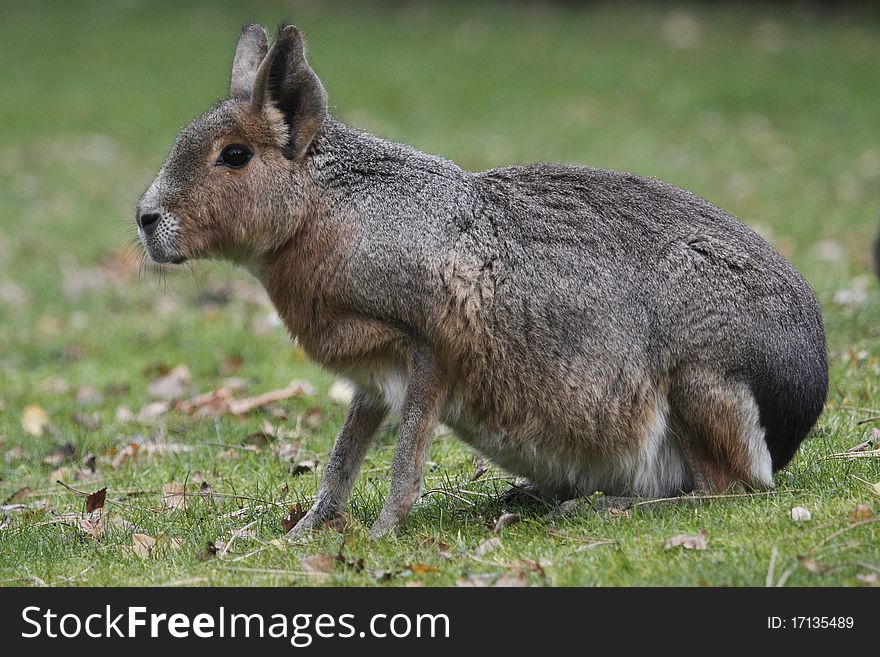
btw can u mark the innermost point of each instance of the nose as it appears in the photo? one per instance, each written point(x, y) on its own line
point(148, 221)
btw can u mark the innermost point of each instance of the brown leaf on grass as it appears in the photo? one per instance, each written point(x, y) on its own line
point(800, 514)
point(313, 417)
point(422, 568)
point(505, 520)
point(34, 420)
point(142, 545)
point(31, 508)
point(294, 514)
point(151, 412)
point(475, 580)
point(13, 454)
point(174, 497)
point(18, 495)
point(432, 542)
point(487, 546)
point(303, 467)
point(92, 526)
point(146, 547)
point(258, 439)
point(88, 421)
point(287, 451)
point(172, 385)
point(230, 365)
point(514, 579)
point(295, 389)
point(125, 455)
point(210, 404)
point(811, 566)
point(869, 579)
point(339, 523)
point(688, 541)
point(221, 401)
point(124, 414)
point(861, 512)
point(61, 454)
point(318, 564)
point(96, 500)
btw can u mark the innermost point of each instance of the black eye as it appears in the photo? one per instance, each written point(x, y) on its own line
point(235, 156)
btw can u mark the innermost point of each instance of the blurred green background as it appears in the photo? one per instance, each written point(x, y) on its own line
point(769, 110)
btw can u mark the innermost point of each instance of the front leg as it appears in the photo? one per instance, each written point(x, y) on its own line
point(364, 417)
point(418, 417)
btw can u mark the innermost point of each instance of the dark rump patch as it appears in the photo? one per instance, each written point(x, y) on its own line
point(790, 398)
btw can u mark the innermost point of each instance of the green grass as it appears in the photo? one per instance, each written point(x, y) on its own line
point(770, 112)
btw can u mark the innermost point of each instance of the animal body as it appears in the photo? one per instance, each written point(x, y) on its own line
point(587, 330)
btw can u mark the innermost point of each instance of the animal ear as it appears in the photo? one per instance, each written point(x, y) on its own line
point(250, 52)
point(286, 82)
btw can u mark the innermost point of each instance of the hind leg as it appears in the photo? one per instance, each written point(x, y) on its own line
point(717, 424)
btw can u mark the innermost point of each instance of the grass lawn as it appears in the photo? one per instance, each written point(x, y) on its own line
point(769, 111)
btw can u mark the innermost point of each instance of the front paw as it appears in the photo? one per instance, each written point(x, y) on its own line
point(384, 526)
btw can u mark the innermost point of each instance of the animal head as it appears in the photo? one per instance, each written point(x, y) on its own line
point(236, 179)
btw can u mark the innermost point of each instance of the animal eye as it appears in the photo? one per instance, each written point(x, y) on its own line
point(235, 156)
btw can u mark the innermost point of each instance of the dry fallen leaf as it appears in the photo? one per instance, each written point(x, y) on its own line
point(151, 412)
point(869, 579)
point(432, 542)
point(422, 568)
point(295, 389)
point(339, 523)
point(810, 565)
point(258, 439)
point(19, 495)
point(125, 455)
point(61, 454)
point(221, 401)
point(145, 546)
point(174, 497)
point(89, 396)
point(88, 421)
point(861, 512)
point(142, 545)
point(294, 515)
point(313, 417)
point(124, 414)
point(318, 564)
point(505, 520)
point(34, 420)
point(96, 500)
point(513, 579)
point(93, 527)
point(231, 364)
point(800, 514)
point(488, 546)
point(476, 580)
point(688, 542)
point(172, 385)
